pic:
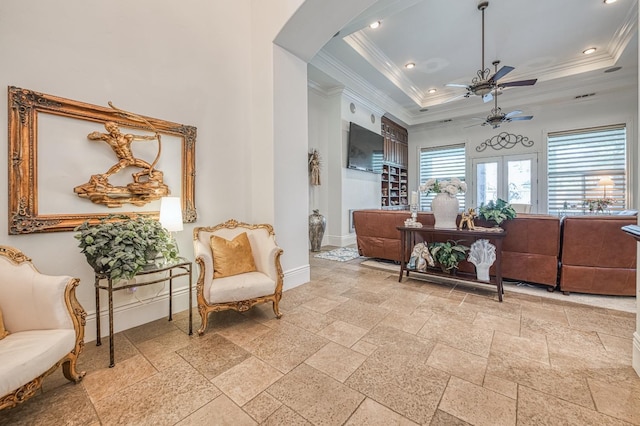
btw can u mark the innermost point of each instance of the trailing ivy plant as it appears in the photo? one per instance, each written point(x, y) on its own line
point(120, 246)
point(448, 254)
point(497, 211)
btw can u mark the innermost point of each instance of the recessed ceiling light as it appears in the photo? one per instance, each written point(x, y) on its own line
point(589, 51)
point(609, 1)
point(432, 90)
point(374, 25)
point(410, 65)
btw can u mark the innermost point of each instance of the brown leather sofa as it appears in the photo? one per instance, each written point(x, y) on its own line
point(529, 251)
point(597, 256)
point(377, 234)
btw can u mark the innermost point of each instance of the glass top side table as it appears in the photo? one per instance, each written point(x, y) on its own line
point(179, 268)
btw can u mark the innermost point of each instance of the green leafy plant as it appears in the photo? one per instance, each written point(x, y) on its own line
point(448, 254)
point(121, 246)
point(497, 211)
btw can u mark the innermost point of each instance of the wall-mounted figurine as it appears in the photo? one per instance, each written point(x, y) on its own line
point(314, 167)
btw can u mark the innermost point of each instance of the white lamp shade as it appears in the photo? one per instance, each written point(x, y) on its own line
point(171, 213)
point(605, 181)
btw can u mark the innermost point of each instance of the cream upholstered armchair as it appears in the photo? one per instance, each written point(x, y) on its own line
point(41, 327)
point(239, 268)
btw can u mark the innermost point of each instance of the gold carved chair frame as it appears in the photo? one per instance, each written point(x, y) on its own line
point(205, 308)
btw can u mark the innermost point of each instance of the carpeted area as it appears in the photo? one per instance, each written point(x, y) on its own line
point(342, 254)
point(619, 303)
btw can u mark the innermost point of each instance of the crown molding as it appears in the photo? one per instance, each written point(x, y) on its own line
point(358, 85)
point(353, 96)
point(363, 45)
point(624, 34)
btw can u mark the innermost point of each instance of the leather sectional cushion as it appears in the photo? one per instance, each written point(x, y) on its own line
point(596, 280)
point(598, 240)
point(597, 256)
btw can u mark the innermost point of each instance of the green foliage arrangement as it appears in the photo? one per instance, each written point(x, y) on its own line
point(448, 254)
point(497, 212)
point(121, 246)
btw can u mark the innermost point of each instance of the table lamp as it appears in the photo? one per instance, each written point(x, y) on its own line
point(604, 182)
point(171, 214)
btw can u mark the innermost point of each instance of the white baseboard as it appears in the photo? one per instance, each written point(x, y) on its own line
point(133, 314)
point(340, 240)
point(636, 352)
point(136, 313)
point(295, 277)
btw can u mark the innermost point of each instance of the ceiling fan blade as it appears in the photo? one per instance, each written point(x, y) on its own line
point(519, 83)
point(525, 117)
point(476, 124)
point(512, 113)
point(454, 98)
point(488, 97)
point(466, 86)
point(501, 73)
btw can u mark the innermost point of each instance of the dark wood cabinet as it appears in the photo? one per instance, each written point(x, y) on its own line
point(394, 171)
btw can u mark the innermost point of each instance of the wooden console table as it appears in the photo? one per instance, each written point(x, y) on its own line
point(180, 268)
point(429, 233)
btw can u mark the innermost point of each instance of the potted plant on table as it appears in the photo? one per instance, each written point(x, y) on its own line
point(496, 212)
point(120, 246)
point(448, 254)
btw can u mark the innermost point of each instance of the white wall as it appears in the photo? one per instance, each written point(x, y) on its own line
point(342, 189)
point(319, 110)
point(202, 63)
point(614, 108)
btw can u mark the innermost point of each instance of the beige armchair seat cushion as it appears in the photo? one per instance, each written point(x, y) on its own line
point(241, 287)
point(28, 354)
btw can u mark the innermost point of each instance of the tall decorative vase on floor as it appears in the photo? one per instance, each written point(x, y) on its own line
point(445, 210)
point(317, 224)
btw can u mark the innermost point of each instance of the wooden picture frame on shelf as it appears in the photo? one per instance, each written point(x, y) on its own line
point(41, 198)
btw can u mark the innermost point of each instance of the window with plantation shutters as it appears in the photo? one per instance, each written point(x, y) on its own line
point(441, 163)
point(587, 165)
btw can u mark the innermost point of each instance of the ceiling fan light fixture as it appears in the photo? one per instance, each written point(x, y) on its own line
point(410, 65)
point(374, 25)
point(432, 90)
point(589, 51)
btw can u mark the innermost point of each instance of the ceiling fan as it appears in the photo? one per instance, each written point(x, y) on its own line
point(484, 84)
point(497, 117)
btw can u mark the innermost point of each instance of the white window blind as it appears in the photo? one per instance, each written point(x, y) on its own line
point(578, 160)
point(441, 163)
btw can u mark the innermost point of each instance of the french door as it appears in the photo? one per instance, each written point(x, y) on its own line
point(512, 178)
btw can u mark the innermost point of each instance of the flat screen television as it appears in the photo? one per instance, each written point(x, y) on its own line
point(366, 149)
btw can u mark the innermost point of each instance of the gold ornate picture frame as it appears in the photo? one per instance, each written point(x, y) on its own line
point(26, 108)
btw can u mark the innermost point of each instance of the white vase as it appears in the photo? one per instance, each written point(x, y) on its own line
point(445, 210)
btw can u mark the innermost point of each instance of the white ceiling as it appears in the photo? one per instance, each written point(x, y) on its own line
point(541, 39)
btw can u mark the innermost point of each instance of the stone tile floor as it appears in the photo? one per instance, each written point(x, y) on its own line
point(355, 347)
